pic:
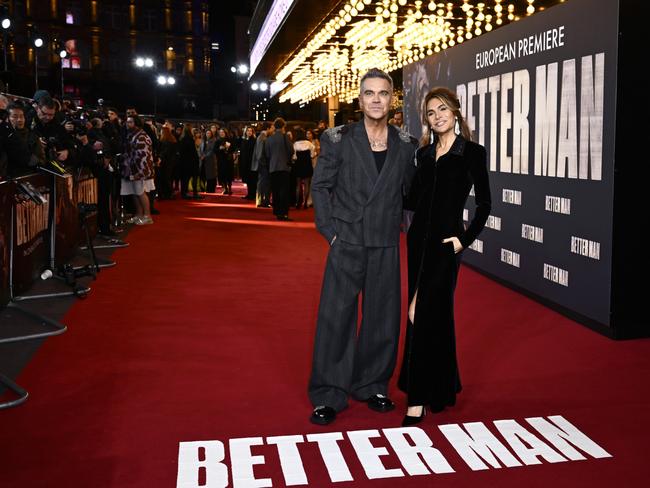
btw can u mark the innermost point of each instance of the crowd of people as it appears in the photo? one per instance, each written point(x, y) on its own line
point(358, 213)
point(138, 160)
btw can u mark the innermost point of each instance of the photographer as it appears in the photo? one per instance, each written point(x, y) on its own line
point(84, 151)
point(54, 137)
point(91, 155)
point(112, 129)
point(104, 174)
point(25, 151)
point(5, 133)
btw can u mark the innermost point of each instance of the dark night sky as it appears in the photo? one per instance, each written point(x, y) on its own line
point(222, 25)
point(228, 87)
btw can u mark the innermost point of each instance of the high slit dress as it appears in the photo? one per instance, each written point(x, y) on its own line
point(429, 374)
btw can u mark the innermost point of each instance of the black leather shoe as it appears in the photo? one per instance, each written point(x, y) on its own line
point(323, 415)
point(107, 234)
point(410, 420)
point(380, 403)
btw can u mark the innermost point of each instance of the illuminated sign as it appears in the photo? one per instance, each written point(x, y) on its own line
point(274, 20)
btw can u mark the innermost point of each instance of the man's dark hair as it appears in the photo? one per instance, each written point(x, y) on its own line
point(16, 106)
point(279, 123)
point(376, 73)
point(137, 121)
point(47, 102)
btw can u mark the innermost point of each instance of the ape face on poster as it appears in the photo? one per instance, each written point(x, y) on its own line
point(540, 95)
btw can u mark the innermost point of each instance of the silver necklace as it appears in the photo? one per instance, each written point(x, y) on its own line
point(378, 143)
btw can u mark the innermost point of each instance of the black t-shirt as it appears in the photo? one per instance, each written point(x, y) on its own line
point(380, 159)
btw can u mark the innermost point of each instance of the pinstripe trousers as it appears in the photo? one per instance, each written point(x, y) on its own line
point(350, 359)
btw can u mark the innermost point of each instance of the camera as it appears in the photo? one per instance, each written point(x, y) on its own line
point(69, 275)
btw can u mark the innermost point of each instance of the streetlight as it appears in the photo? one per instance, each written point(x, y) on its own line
point(261, 86)
point(37, 41)
point(141, 62)
point(4, 15)
point(161, 80)
point(241, 70)
point(145, 63)
point(258, 87)
point(6, 25)
point(166, 80)
point(63, 53)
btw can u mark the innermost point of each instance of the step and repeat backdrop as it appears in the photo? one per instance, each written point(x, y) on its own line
point(540, 95)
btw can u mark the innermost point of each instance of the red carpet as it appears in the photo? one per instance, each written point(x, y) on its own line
point(203, 331)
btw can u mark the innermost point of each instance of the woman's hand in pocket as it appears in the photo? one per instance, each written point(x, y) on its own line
point(458, 247)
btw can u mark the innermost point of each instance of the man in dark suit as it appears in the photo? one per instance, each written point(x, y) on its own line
point(261, 167)
point(362, 173)
point(279, 151)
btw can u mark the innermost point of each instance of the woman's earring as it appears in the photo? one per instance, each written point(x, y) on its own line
point(431, 135)
point(457, 127)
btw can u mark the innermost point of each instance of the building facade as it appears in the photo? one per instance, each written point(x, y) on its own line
point(102, 38)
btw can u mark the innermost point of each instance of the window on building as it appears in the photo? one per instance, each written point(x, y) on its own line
point(151, 20)
point(206, 27)
point(116, 50)
point(73, 12)
point(19, 10)
point(115, 64)
point(114, 16)
point(206, 60)
point(73, 61)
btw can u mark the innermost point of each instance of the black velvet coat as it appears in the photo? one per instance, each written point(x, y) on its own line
point(429, 374)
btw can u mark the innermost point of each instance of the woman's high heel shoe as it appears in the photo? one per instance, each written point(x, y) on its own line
point(409, 420)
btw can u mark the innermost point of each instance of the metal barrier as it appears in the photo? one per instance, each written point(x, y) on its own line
point(41, 231)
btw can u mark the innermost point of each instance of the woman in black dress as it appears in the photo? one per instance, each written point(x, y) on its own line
point(248, 176)
point(304, 151)
point(168, 162)
point(189, 162)
point(448, 164)
point(225, 164)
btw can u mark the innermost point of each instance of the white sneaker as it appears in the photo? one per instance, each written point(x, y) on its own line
point(146, 220)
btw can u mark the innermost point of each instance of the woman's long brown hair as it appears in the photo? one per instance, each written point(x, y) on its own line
point(450, 99)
